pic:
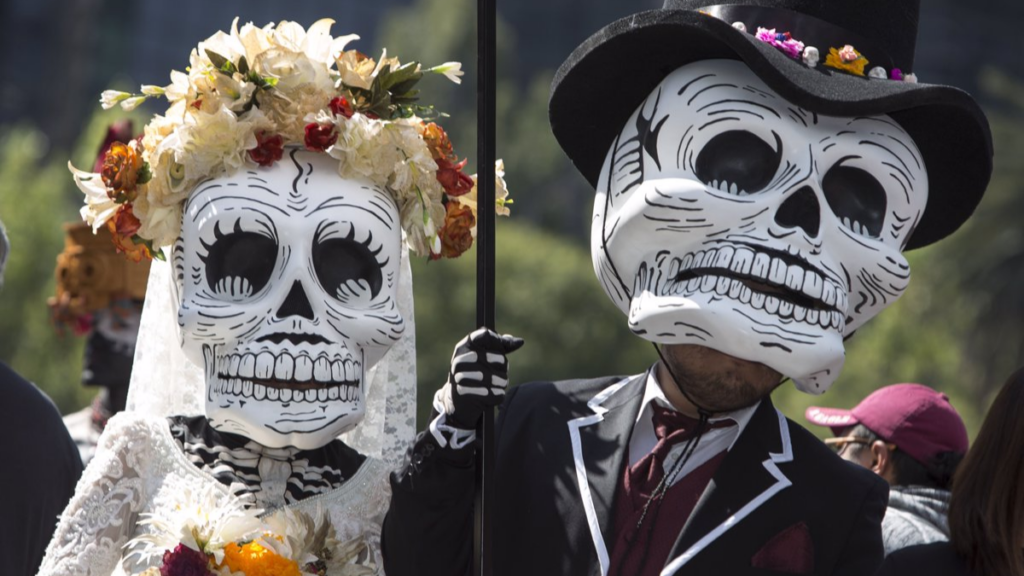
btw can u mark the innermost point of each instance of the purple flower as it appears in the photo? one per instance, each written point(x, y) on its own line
point(896, 74)
point(783, 41)
point(185, 561)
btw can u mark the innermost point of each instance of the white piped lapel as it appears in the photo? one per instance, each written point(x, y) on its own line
point(770, 465)
point(594, 432)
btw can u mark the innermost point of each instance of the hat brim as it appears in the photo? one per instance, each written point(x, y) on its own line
point(600, 85)
point(835, 419)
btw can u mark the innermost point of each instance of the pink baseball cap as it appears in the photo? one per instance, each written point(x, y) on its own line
point(918, 420)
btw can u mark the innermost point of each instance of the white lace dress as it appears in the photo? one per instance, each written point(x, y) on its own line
point(139, 468)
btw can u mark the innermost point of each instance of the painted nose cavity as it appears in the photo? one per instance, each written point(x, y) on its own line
point(295, 304)
point(801, 210)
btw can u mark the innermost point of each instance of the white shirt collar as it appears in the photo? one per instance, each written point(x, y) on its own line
point(654, 393)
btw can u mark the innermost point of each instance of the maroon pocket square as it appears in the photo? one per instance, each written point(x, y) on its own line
point(790, 551)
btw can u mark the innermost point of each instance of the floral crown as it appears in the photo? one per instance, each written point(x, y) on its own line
point(249, 93)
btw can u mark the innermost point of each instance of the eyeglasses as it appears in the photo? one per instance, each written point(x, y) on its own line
point(839, 444)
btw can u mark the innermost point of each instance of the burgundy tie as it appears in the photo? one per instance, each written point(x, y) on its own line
point(638, 524)
point(671, 428)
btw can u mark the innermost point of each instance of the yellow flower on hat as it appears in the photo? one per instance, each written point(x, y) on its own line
point(846, 59)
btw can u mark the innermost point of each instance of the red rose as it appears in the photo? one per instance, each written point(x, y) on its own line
point(320, 137)
point(125, 221)
point(184, 561)
point(123, 226)
point(340, 107)
point(454, 182)
point(457, 232)
point(268, 150)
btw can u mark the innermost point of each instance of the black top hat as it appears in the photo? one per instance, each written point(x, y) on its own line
point(946, 123)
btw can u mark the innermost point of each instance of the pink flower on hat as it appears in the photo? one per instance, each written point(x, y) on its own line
point(783, 41)
point(848, 54)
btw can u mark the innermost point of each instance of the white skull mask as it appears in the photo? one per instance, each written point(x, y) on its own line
point(729, 218)
point(287, 279)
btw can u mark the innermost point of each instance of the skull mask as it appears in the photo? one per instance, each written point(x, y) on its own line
point(729, 218)
point(287, 279)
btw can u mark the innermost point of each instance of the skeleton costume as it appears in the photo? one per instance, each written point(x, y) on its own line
point(754, 197)
point(186, 430)
point(273, 386)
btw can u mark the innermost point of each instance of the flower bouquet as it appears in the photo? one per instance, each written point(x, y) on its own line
point(209, 538)
point(251, 92)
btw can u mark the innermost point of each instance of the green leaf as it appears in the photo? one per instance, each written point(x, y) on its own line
point(404, 87)
point(159, 254)
point(145, 173)
point(408, 72)
point(243, 66)
point(217, 60)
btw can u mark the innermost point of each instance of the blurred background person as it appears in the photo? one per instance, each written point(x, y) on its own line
point(39, 469)
point(99, 295)
point(986, 512)
point(912, 437)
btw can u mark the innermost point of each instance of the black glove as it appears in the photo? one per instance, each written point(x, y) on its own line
point(477, 377)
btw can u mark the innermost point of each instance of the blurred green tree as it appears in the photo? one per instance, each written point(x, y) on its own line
point(34, 200)
point(37, 195)
point(546, 293)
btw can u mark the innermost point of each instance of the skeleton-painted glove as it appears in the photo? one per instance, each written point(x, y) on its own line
point(476, 380)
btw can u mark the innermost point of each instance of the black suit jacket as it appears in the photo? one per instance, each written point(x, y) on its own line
point(561, 449)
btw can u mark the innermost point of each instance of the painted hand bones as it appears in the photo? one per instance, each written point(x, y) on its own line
point(477, 378)
point(286, 280)
point(727, 217)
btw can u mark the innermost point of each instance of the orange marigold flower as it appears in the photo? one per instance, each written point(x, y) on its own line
point(457, 232)
point(450, 175)
point(123, 227)
point(121, 172)
point(255, 560)
point(438, 143)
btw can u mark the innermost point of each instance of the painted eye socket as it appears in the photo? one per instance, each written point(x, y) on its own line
point(738, 162)
point(857, 198)
point(238, 264)
point(347, 269)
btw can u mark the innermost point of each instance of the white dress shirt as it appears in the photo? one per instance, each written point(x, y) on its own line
point(712, 442)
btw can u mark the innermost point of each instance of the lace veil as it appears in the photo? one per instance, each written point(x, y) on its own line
point(165, 383)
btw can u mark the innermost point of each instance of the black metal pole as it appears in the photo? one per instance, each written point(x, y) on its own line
point(486, 155)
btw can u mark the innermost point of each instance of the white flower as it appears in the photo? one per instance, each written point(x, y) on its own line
point(501, 199)
point(111, 98)
point(98, 206)
point(451, 70)
point(160, 223)
point(204, 520)
point(150, 90)
point(355, 69)
point(132, 103)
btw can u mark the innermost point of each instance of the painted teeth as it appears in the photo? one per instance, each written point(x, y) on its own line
point(303, 369)
point(236, 372)
point(728, 188)
point(660, 279)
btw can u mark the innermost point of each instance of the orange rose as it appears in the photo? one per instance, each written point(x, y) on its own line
point(457, 232)
point(121, 172)
point(437, 141)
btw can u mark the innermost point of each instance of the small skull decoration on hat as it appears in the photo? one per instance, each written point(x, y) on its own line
point(730, 218)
